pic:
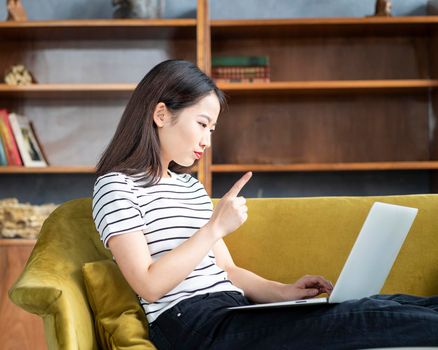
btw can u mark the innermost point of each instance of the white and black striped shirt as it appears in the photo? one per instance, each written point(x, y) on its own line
point(168, 213)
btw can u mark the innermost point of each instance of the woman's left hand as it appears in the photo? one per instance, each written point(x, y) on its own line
point(307, 287)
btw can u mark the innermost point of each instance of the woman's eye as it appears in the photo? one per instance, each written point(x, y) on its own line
point(205, 125)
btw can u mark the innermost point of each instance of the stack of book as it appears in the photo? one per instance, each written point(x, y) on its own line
point(240, 69)
point(19, 144)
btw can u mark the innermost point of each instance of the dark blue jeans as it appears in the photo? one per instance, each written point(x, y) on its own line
point(203, 322)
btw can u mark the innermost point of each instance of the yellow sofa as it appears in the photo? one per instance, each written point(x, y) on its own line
point(283, 239)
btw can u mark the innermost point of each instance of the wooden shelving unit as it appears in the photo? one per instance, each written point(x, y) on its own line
point(346, 94)
point(22, 40)
point(25, 42)
point(334, 81)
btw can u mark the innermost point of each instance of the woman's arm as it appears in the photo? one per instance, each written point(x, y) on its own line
point(151, 280)
point(261, 290)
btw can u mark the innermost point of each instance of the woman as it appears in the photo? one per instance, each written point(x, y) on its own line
point(167, 239)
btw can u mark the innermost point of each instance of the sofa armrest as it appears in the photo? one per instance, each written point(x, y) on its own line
point(67, 316)
point(36, 299)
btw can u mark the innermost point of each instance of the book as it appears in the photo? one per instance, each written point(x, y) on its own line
point(240, 69)
point(234, 72)
point(3, 159)
point(8, 139)
point(40, 145)
point(26, 141)
point(246, 70)
point(224, 61)
point(242, 80)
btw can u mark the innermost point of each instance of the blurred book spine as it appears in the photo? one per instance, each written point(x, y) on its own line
point(3, 159)
point(243, 69)
point(8, 140)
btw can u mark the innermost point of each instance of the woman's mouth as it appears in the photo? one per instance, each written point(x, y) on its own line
point(198, 155)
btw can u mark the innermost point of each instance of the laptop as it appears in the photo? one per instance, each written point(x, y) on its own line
point(370, 260)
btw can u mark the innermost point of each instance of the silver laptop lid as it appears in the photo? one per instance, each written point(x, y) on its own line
point(374, 252)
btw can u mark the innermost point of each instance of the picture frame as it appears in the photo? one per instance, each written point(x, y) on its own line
point(27, 143)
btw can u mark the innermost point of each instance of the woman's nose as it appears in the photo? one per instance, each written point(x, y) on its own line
point(206, 141)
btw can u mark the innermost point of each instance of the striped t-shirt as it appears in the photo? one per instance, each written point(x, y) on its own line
point(167, 213)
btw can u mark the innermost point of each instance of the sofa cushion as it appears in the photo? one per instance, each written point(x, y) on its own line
point(119, 318)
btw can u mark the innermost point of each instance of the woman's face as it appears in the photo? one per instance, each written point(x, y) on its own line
point(191, 134)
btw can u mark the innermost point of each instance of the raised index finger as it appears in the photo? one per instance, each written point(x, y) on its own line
point(237, 187)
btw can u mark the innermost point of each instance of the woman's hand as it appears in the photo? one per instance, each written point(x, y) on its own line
point(306, 287)
point(231, 211)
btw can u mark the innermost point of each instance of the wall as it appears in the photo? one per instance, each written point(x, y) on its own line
point(64, 9)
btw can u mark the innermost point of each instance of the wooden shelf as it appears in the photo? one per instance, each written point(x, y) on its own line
point(262, 28)
point(47, 170)
point(67, 90)
point(354, 46)
point(16, 242)
point(102, 29)
point(365, 166)
point(346, 86)
point(111, 29)
point(51, 170)
point(230, 168)
point(290, 87)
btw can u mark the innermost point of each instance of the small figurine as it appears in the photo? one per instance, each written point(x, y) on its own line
point(16, 11)
point(138, 8)
point(383, 8)
point(19, 75)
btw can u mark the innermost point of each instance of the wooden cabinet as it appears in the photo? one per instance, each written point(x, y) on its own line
point(347, 94)
point(18, 328)
point(86, 71)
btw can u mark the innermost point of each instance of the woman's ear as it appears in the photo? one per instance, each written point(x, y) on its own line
point(160, 115)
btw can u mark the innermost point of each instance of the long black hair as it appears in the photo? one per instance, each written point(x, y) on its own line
point(135, 146)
